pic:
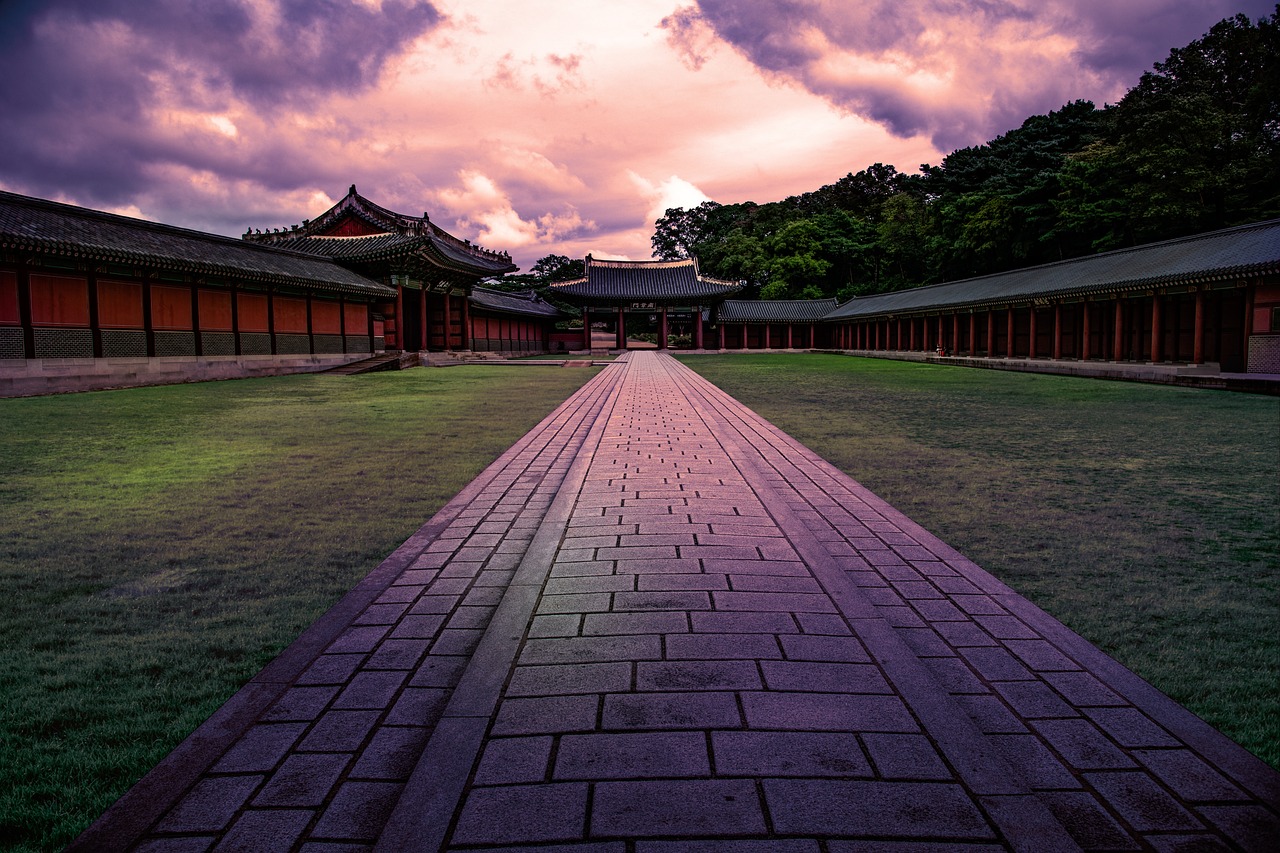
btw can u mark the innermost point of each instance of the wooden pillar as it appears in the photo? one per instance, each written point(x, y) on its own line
point(1057, 331)
point(1008, 345)
point(789, 338)
point(1117, 345)
point(235, 322)
point(271, 319)
point(400, 340)
point(1031, 344)
point(942, 333)
point(466, 323)
point(973, 334)
point(1198, 330)
point(662, 329)
point(1085, 345)
point(720, 333)
point(620, 336)
point(924, 334)
point(1156, 331)
point(745, 327)
point(95, 327)
point(311, 338)
point(586, 327)
point(426, 334)
point(991, 333)
point(766, 342)
point(955, 334)
point(697, 327)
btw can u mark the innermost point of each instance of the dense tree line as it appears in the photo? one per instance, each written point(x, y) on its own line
point(1194, 146)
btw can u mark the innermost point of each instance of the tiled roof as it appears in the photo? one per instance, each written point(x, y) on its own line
point(524, 302)
point(774, 310)
point(402, 235)
point(32, 224)
point(1233, 253)
point(644, 281)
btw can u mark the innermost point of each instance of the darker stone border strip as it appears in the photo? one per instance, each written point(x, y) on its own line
point(423, 817)
point(124, 822)
point(1010, 803)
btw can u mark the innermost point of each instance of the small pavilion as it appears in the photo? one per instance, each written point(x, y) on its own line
point(671, 289)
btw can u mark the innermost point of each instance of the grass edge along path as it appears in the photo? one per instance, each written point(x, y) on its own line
point(1144, 517)
point(160, 545)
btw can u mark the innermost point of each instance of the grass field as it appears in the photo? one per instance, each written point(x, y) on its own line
point(160, 545)
point(1145, 517)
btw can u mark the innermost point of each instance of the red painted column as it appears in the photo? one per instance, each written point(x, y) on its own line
point(1057, 331)
point(924, 328)
point(991, 333)
point(721, 334)
point(1197, 345)
point(789, 338)
point(662, 328)
point(744, 335)
point(1085, 347)
point(1009, 343)
point(466, 323)
point(942, 333)
point(766, 336)
point(1118, 344)
point(400, 342)
point(1156, 331)
point(973, 334)
point(448, 322)
point(955, 334)
point(586, 327)
point(697, 327)
point(1031, 345)
point(620, 336)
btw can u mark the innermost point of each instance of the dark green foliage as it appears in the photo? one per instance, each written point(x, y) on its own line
point(1194, 146)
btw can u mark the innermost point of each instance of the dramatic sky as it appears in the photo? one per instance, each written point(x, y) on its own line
point(534, 126)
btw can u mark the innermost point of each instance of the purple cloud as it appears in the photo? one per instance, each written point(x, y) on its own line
point(959, 71)
point(95, 92)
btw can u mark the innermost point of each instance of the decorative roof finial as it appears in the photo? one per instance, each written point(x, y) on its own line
point(352, 191)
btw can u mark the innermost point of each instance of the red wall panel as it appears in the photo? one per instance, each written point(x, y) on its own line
point(170, 307)
point(291, 315)
point(215, 310)
point(58, 300)
point(326, 317)
point(357, 318)
point(9, 315)
point(252, 312)
point(120, 305)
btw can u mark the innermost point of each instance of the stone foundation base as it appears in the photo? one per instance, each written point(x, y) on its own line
point(31, 377)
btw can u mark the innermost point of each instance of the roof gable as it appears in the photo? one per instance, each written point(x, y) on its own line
point(609, 281)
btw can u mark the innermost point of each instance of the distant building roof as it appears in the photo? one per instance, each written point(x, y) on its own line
point(618, 282)
point(524, 302)
point(1225, 255)
point(774, 310)
point(32, 224)
point(357, 231)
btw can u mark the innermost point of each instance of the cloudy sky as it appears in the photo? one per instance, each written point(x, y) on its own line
point(533, 126)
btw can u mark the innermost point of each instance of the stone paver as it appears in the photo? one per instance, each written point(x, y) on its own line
point(660, 624)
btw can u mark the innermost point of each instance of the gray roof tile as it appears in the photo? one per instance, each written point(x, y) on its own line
point(774, 310)
point(523, 302)
point(644, 281)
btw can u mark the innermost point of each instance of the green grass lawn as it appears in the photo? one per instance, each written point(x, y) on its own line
point(1145, 517)
point(160, 545)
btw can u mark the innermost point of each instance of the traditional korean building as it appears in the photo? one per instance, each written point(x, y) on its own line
point(673, 291)
point(431, 271)
point(1209, 298)
point(94, 300)
point(774, 323)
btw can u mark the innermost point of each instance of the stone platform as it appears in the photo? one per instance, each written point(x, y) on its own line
point(657, 624)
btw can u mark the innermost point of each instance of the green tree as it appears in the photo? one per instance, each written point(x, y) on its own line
point(680, 231)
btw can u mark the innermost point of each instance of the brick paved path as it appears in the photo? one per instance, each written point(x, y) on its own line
point(659, 625)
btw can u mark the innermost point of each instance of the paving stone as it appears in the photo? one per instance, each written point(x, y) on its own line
point(358, 811)
point(303, 780)
point(954, 675)
point(899, 809)
point(300, 703)
point(182, 844)
point(643, 755)
point(339, 731)
point(1083, 689)
point(665, 582)
point(1082, 745)
point(1087, 821)
point(963, 634)
point(255, 831)
point(696, 675)
point(824, 677)
point(676, 808)
point(819, 648)
point(1142, 803)
point(743, 623)
point(371, 689)
point(397, 654)
point(1253, 827)
point(391, 753)
point(794, 602)
point(331, 669)
point(1032, 759)
point(763, 754)
point(722, 646)
point(418, 706)
point(418, 627)
point(827, 712)
point(902, 756)
point(560, 625)
point(513, 760)
point(211, 805)
point(1187, 775)
point(823, 623)
point(261, 748)
point(1033, 699)
point(672, 600)
point(995, 664)
point(670, 711)
point(557, 680)
point(438, 671)
point(565, 650)
point(1129, 727)
point(549, 714)
point(991, 714)
point(604, 624)
point(736, 845)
